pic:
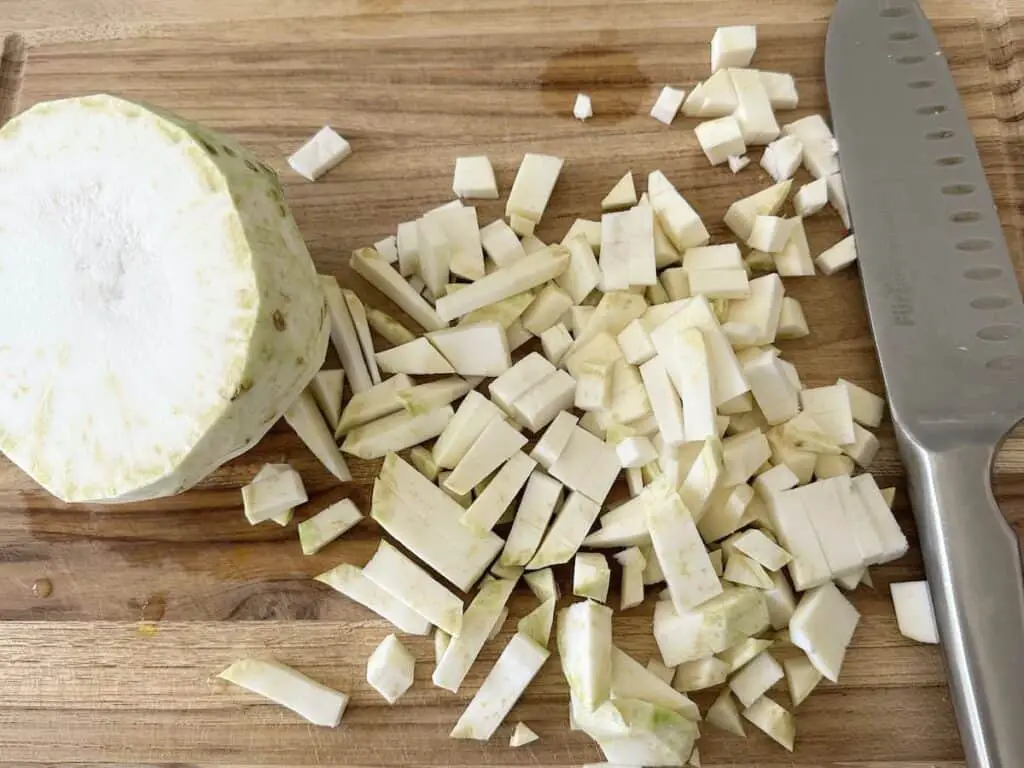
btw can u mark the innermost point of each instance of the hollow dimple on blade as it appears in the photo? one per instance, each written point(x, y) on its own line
point(944, 302)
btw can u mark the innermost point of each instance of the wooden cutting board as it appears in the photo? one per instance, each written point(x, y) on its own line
point(148, 602)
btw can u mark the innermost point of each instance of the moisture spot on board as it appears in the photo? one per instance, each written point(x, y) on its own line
point(151, 609)
point(42, 588)
point(609, 75)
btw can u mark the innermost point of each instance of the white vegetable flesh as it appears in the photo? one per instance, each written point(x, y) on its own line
point(350, 581)
point(667, 105)
point(532, 186)
point(272, 494)
point(774, 720)
point(914, 613)
point(425, 520)
point(566, 534)
point(474, 178)
point(321, 153)
point(415, 587)
point(538, 623)
point(514, 670)
point(522, 735)
point(326, 525)
point(591, 576)
point(305, 417)
point(822, 627)
point(538, 504)
point(733, 47)
point(391, 669)
point(490, 505)
point(477, 621)
point(290, 688)
point(585, 648)
point(157, 273)
point(582, 108)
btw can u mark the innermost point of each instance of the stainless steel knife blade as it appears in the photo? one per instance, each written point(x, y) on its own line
point(948, 320)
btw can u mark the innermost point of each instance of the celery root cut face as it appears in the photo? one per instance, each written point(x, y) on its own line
point(163, 310)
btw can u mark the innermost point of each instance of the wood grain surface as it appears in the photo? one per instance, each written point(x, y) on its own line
point(115, 666)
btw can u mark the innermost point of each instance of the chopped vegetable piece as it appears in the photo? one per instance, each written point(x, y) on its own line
point(754, 109)
point(801, 677)
point(822, 626)
point(555, 342)
point(542, 583)
point(327, 525)
point(474, 178)
point(532, 187)
point(811, 197)
point(725, 714)
point(273, 494)
point(867, 407)
point(361, 324)
point(566, 534)
point(415, 587)
point(754, 680)
point(426, 521)
point(743, 213)
point(681, 223)
point(542, 403)
point(478, 620)
point(782, 157)
point(480, 349)
point(669, 101)
point(326, 388)
point(756, 545)
point(914, 613)
point(351, 582)
point(305, 418)
point(701, 674)
point(733, 47)
point(321, 153)
point(490, 505)
point(738, 655)
point(345, 337)
point(382, 276)
point(633, 564)
point(390, 669)
point(773, 720)
point(522, 735)
point(496, 444)
point(582, 108)
point(375, 403)
point(585, 648)
point(529, 272)
point(290, 688)
point(680, 550)
point(838, 257)
point(509, 677)
point(501, 244)
point(396, 432)
point(721, 139)
point(587, 465)
point(539, 500)
point(591, 576)
point(781, 88)
point(538, 623)
point(622, 195)
point(737, 164)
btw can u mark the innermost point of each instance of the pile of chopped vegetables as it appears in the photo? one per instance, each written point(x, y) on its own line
point(747, 518)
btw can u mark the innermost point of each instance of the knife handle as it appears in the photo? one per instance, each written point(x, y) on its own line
point(976, 575)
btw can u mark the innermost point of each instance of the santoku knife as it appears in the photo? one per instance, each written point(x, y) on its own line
point(948, 322)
